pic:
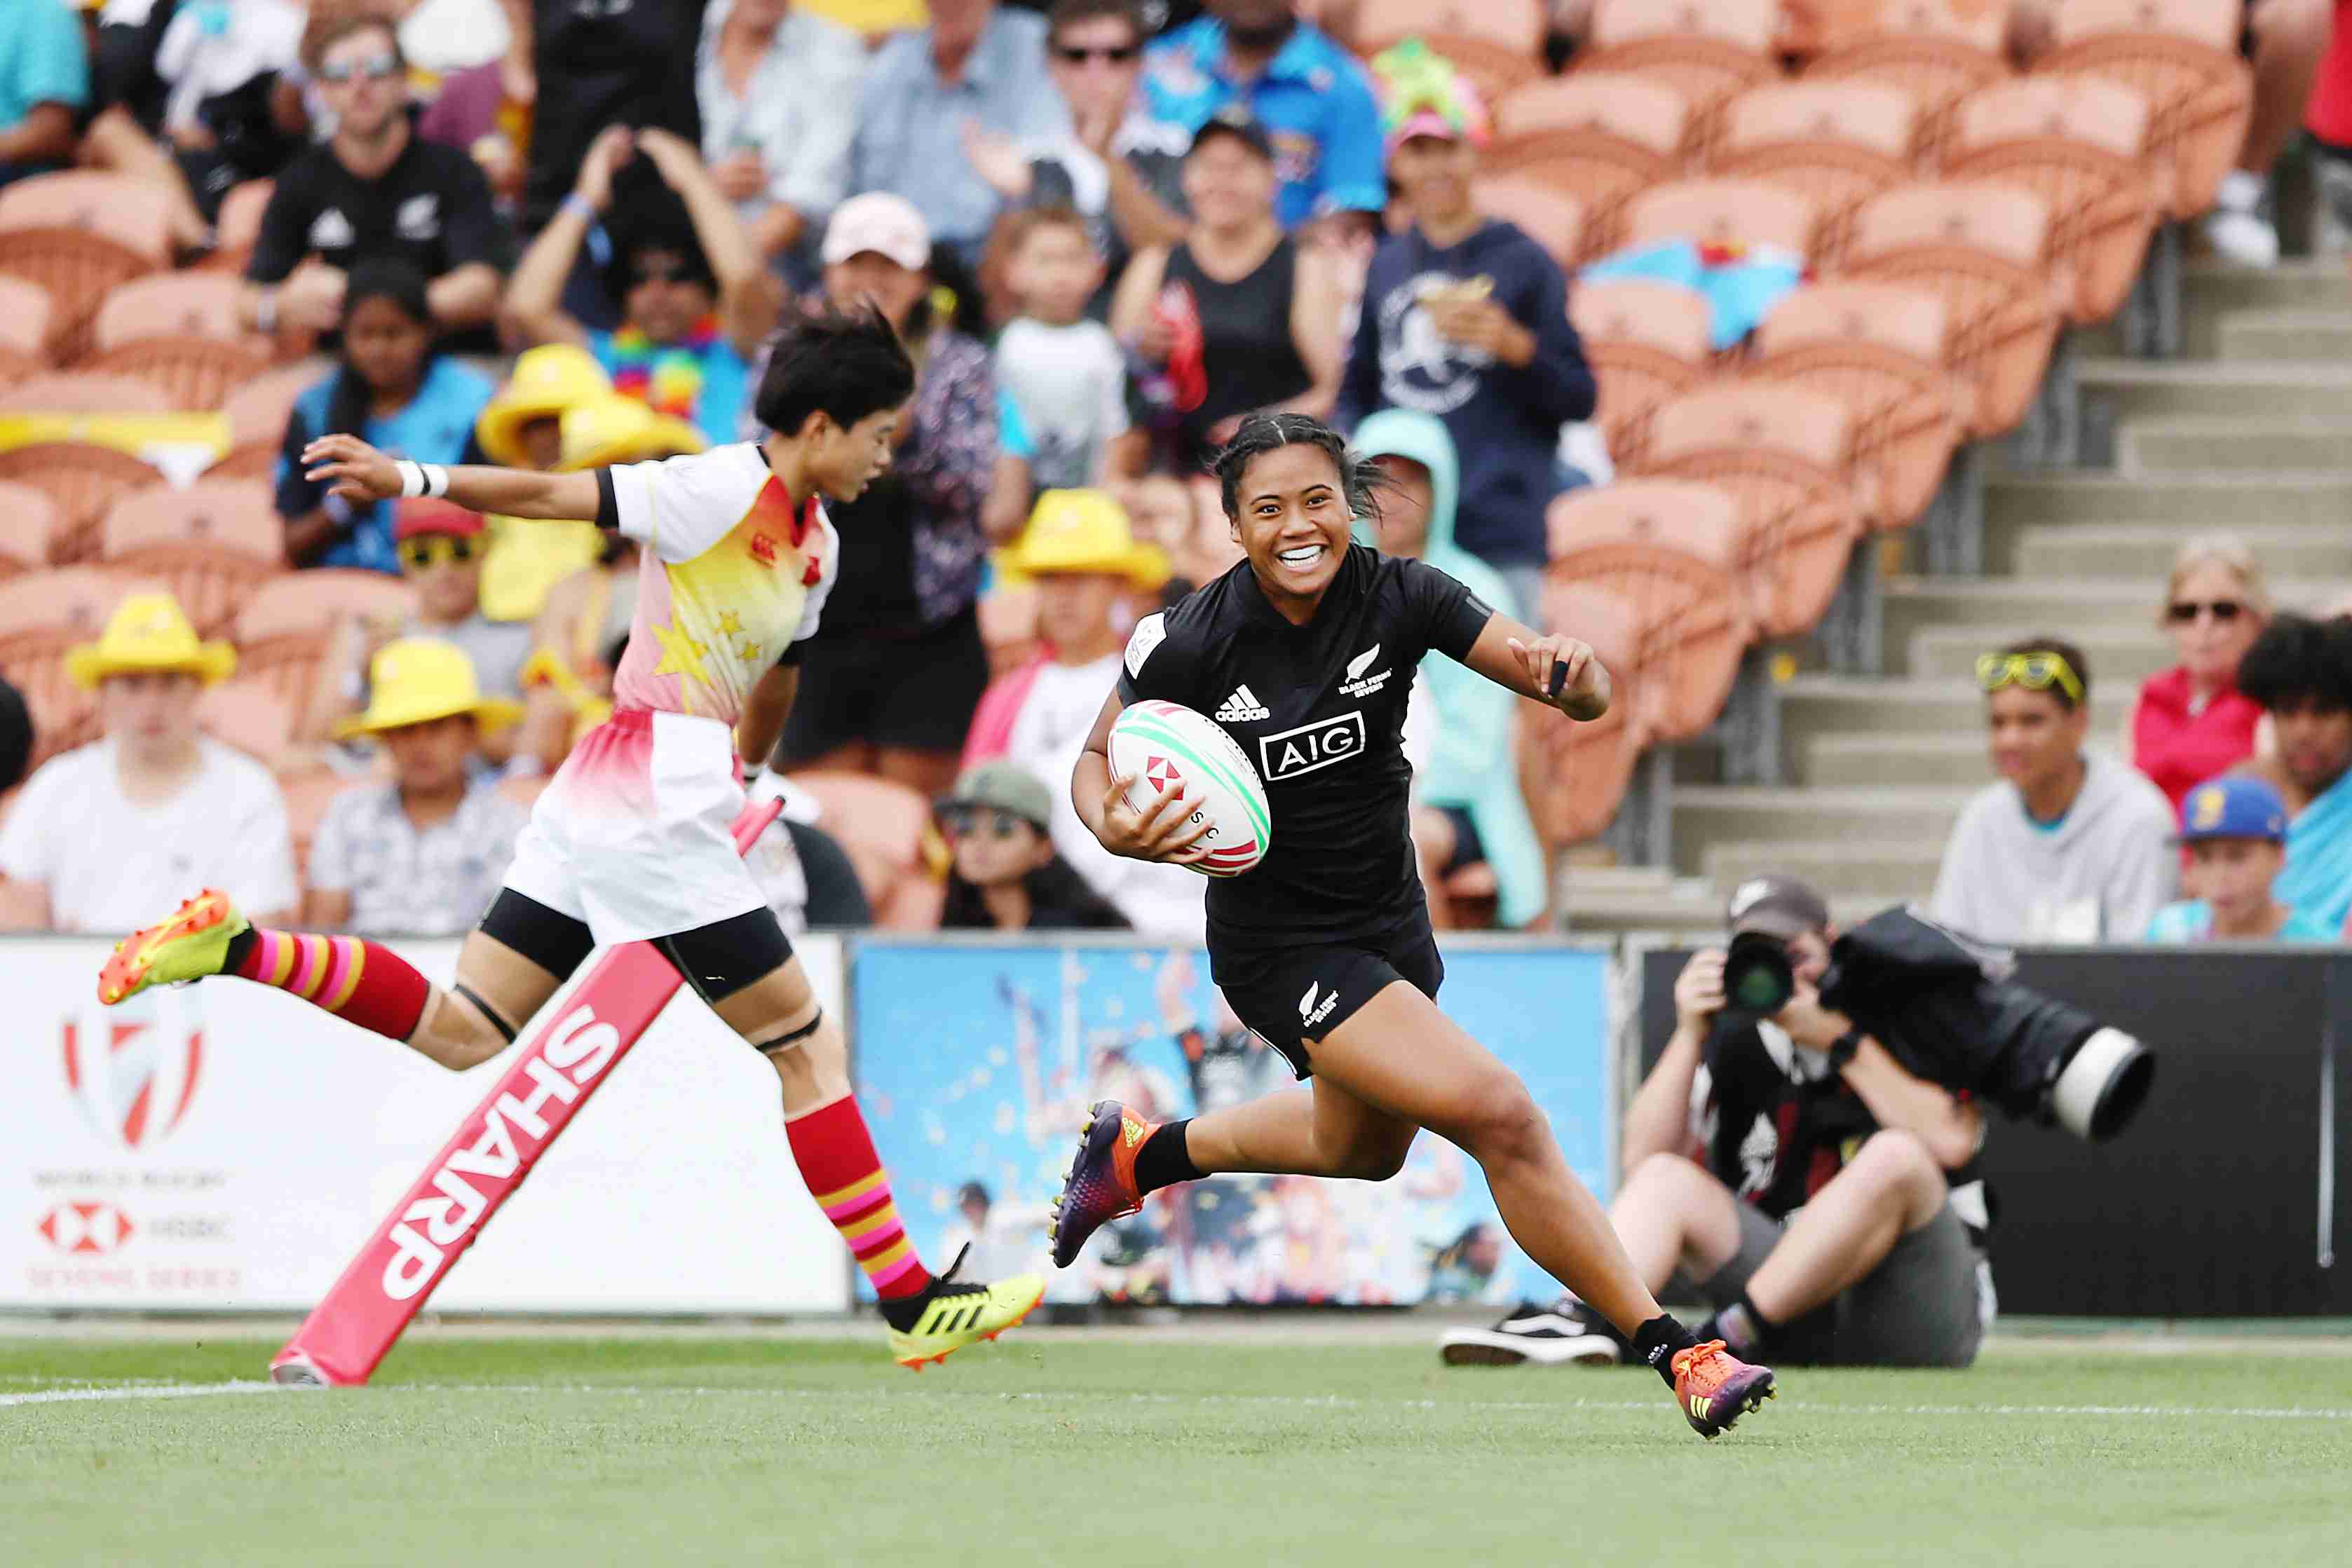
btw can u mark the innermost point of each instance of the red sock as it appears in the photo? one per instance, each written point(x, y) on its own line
point(837, 1160)
point(350, 977)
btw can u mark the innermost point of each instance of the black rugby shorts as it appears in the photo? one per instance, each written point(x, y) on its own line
point(1292, 997)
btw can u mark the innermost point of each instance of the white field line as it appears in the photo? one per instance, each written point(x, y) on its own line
point(79, 1393)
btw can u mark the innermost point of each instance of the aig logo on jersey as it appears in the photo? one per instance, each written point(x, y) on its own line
point(1310, 746)
point(1359, 684)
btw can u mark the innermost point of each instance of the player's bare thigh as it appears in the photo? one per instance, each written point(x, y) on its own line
point(497, 991)
point(774, 1014)
point(1400, 1056)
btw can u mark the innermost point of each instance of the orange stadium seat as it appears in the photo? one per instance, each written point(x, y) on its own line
point(179, 332)
point(1879, 350)
point(1938, 51)
point(79, 235)
point(1498, 44)
point(1669, 552)
point(525, 792)
point(308, 795)
point(43, 615)
point(1598, 137)
point(1574, 775)
point(1785, 454)
point(83, 391)
point(214, 542)
point(288, 625)
point(1705, 50)
point(29, 528)
point(257, 412)
point(1983, 250)
point(2181, 55)
point(239, 229)
point(1723, 212)
point(2080, 143)
point(1838, 143)
point(248, 714)
point(24, 314)
point(1645, 341)
point(84, 479)
point(886, 830)
point(1551, 217)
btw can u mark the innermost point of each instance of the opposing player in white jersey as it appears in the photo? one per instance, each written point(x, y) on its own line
point(631, 840)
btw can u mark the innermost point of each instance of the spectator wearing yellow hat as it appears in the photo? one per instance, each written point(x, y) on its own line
point(424, 854)
point(522, 427)
point(1093, 583)
point(152, 804)
point(440, 548)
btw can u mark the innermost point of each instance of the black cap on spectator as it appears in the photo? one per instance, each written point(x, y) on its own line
point(1235, 122)
point(1776, 905)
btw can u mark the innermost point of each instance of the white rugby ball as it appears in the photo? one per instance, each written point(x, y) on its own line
point(1160, 746)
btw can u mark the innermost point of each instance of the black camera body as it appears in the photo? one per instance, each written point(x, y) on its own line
point(1950, 1014)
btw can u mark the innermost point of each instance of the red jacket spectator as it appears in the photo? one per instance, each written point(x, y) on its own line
point(2191, 723)
point(2180, 744)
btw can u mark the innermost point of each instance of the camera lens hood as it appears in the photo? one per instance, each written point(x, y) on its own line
point(2102, 1085)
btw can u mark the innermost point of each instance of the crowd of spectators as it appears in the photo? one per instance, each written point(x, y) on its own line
point(1107, 229)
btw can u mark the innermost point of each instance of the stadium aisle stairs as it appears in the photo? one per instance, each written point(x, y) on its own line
point(2251, 430)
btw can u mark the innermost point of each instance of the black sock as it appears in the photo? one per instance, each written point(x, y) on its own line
point(1657, 1341)
point(1163, 1161)
point(241, 947)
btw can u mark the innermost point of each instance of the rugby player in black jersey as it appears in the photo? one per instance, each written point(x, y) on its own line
point(1304, 653)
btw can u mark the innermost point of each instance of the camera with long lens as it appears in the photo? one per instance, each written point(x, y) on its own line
point(1951, 1014)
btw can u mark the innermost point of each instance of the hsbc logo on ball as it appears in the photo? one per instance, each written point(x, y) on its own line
point(85, 1228)
point(133, 1082)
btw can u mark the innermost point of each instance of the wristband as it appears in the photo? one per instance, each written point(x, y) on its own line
point(421, 480)
point(1842, 1050)
point(265, 312)
point(576, 203)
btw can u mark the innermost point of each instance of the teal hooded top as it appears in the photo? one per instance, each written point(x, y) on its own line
point(1473, 767)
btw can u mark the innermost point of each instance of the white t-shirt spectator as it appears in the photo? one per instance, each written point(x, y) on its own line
point(112, 866)
point(1070, 384)
point(796, 110)
point(1047, 737)
point(437, 882)
point(2097, 874)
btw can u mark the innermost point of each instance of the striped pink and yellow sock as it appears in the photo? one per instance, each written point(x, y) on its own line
point(837, 1160)
point(350, 977)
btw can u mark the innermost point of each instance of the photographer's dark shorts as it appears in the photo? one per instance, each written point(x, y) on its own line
point(1918, 1308)
point(1291, 997)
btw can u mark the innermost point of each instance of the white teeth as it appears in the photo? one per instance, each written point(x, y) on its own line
point(1300, 556)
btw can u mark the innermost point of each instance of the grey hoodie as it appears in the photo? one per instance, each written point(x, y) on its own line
point(2096, 876)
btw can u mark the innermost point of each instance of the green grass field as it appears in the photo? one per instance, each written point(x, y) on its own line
point(1059, 1448)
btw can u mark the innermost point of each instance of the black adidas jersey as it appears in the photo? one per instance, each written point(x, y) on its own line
point(1319, 708)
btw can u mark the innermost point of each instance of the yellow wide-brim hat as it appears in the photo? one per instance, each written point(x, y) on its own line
point(547, 381)
point(613, 429)
point(149, 634)
point(1080, 530)
point(419, 679)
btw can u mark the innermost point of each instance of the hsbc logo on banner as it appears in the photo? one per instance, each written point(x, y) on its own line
point(85, 1228)
point(494, 1150)
point(133, 1082)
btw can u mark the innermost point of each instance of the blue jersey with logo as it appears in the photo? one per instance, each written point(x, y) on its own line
point(1319, 711)
point(1314, 100)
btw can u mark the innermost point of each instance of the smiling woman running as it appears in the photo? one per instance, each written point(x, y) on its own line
point(1305, 653)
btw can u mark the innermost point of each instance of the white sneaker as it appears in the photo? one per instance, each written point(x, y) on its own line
point(1556, 1335)
point(2235, 229)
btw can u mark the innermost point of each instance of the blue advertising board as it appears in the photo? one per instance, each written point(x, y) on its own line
point(976, 1063)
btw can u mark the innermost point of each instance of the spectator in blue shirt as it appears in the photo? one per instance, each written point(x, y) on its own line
point(930, 100)
point(395, 391)
point(44, 83)
point(2235, 828)
point(1313, 99)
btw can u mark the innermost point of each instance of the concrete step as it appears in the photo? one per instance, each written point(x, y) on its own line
point(2118, 658)
point(2213, 291)
point(2145, 551)
point(1864, 760)
point(1845, 869)
point(2057, 607)
point(1814, 707)
point(2306, 498)
point(1694, 918)
point(2186, 446)
point(1709, 815)
point(2321, 337)
point(2120, 390)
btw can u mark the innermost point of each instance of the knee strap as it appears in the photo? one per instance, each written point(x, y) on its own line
point(489, 1013)
point(790, 1038)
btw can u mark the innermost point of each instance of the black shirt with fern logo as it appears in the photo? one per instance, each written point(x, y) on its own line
point(1319, 711)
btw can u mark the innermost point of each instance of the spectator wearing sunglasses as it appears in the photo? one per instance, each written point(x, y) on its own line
point(441, 547)
point(2191, 722)
point(1006, 874)
point(2071, 845)
point(376, 190)
point(2300, 670)
point(695, 300)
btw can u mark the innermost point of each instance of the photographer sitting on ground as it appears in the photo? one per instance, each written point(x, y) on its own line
point(1821, 1198)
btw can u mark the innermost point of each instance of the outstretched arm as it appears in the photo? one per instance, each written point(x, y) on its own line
point(353, 469)
point(1556, 671)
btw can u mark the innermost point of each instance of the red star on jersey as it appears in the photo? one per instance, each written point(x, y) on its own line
point(1161, 775)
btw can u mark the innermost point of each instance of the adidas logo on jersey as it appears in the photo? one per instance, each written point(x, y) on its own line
point(1243, 707)
point(1360, 685)
point(1311, 1012)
